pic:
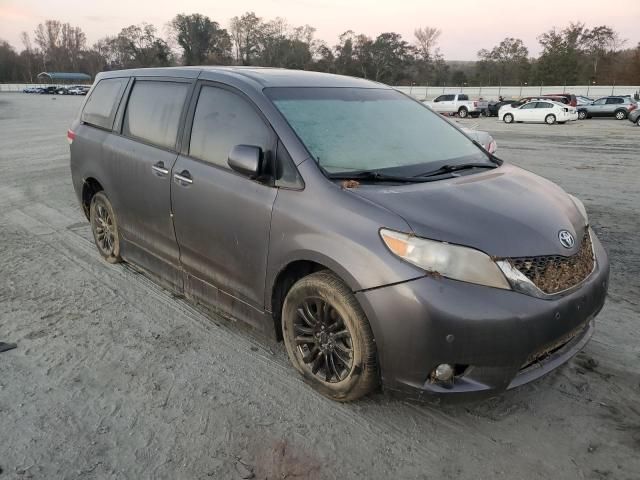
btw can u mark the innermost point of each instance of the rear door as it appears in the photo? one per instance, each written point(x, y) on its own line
point(613, 103)
point(543, 109)
point(222, 219)
point(140, 159)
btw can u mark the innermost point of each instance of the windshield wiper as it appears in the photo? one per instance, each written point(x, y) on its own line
point(376, 176)
point(454, 168)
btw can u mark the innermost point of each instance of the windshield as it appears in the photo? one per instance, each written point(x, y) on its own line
point(354, 129)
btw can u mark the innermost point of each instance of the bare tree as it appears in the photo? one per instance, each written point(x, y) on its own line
point(426, 41)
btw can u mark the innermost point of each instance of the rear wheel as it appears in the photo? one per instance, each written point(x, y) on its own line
point(328, 338)
point(621, 115)
point(463, 112)
point(582, 114)
point(638, 122)
point(550, 119)
point(508, 118)
point(105, 228)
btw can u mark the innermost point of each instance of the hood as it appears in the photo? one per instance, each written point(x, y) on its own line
point(506, 212)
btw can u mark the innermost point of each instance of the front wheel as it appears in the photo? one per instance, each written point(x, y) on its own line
point(508, 118)
point(550, 119)
point(105, 228)
point(638, 122)
point(620, 115)
point(328, 338)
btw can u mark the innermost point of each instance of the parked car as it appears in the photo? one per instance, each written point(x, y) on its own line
point(582, 100)
point(49, 90)
point(634, 116)
point(32, 90)
point(458, 103)
point(78, 90)
point(372, 236)
point(483, 138)
point(494, 107)
point(612, 106)
point(567, 98)
point(62, 91)
point(539, 111)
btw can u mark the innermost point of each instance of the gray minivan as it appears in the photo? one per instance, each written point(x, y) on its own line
point(377, 240)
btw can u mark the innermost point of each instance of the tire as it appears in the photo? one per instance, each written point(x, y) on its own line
point(104, 227)
point(550, 119)
point(463, 112)
point(621, 115)
point(328, 338)
point(638, 122)
point(507, 118)
point(582, 115)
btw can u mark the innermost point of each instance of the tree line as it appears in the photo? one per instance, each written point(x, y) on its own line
point(573, 55)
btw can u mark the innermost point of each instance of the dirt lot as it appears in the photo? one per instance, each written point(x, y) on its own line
point(115, 378)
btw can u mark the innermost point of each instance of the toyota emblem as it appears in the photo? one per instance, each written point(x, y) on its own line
point(566, 239)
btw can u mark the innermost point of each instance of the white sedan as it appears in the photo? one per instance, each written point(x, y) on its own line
point(539, 111)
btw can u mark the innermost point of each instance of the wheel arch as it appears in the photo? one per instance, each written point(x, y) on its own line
point(293, 271)
point(90, 186)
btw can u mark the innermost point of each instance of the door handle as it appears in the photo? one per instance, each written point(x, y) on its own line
point(159, 169)
point(183, 178)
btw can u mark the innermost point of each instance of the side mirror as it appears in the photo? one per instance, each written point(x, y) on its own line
point(246, 159)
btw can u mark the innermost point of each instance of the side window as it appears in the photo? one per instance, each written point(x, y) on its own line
point(439, 99)
point(463, 97)
point(153, 111)
point(600, 101)
point(450, 98)
point(611, 101)
point(544, 105)
point(101, 106)
point(529, 105)
point(223, 120)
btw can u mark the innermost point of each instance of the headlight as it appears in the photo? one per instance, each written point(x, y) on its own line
point(451, 261)
point(581, 209)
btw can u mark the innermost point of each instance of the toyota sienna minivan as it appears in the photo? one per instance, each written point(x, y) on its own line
point(378, 241)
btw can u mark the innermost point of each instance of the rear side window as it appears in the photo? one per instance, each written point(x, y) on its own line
point(544, 105)
point(223, 120)
point(153, 112)
point(463, 97)
point(102, 104)
point(611, 101)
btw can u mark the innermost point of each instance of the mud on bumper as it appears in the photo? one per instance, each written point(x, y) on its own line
point(496, 339)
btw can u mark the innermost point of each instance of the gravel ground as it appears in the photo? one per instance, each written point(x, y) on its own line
point(113, 377)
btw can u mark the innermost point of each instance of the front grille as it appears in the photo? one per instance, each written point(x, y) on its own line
point(555, 273)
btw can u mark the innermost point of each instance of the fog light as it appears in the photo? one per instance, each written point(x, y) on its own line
point(443, 372)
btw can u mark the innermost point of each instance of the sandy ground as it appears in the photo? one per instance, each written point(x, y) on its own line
point(115, 378)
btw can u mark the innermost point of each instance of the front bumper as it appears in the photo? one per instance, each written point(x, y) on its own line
point(494, 333)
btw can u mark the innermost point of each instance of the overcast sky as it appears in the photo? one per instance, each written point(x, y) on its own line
point(467, 25)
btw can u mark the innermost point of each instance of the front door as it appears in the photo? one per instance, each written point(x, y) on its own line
point(222, 219)
point(140, 162)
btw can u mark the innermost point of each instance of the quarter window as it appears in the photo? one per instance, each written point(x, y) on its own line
point(101, 106)
point(223, 120)
point(153, 112)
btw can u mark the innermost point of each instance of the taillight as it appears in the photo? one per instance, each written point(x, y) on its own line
point(632, 106)
point(475, 104)
point(71, 135)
